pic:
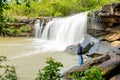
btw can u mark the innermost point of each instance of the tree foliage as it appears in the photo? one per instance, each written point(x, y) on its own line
point(8, 72)
point(3, 5)
point(51, 71)
point(94, 73)
point(35, 8)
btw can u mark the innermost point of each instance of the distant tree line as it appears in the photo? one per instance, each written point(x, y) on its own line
point(35, 8)
point(38, 8)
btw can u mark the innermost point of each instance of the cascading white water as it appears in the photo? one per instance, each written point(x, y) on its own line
point(67, 30)
point(38, 28)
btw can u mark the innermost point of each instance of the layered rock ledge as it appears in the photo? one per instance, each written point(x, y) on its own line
point(109, 63)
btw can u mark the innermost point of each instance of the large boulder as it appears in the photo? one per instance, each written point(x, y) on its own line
point(116, 77)
point(103, 47)
point(110, 67)
point(88, 42)
point(86, 65)
point(109, 63)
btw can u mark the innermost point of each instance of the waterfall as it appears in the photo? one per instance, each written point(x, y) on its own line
point(67, 30)
point(38, 28)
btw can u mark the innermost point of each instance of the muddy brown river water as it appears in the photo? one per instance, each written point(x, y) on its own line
point(28, 55)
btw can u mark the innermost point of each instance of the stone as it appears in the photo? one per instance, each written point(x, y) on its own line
point(109, 63)
point(72, 49)
point(32, 20)
point(110, 67)
point(116, 44)
point(94, 55)
point(102, 47)
point(86, 65)
point(112, 37)
point(110, 9)
point(116, 77)
point(87, 44)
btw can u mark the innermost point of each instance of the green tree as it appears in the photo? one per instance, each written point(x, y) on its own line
point(8, 72)
point(17, 2)
point(36, 8)
point(51, 71)
point(3, 5)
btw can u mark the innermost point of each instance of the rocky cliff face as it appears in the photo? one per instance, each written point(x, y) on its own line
point(105, 23)
point(29, 22)
point(112, 9)
point(110, 16)
point(108, 19)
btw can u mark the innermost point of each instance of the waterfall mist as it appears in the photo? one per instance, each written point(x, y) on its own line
point(61, 32)
point(68, 30)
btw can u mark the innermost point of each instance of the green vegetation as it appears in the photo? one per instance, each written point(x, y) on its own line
point(10, 19)
point(51, 71)
point(3, 25)
point(19, 30)
point(13, 30)
point(36, 8)
point(9, 72)
point(94, 73)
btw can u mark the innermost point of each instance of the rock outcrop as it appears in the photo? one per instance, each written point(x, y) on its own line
point(112, 9)
point(116, 77)
point(110, 16)
point(103, 47)
point(32, 20)
point(109, 63)
point(29, 22)
point(105, 23)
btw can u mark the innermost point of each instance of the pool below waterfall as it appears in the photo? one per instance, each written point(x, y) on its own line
point(28, 55)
